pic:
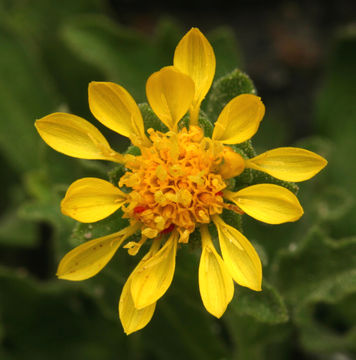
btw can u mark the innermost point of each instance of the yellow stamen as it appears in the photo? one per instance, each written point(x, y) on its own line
point(176, 182)
point(232, 163)
point(150, 233)
point(134, 247)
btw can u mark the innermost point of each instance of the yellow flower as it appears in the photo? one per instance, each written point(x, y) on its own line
point(176, 185)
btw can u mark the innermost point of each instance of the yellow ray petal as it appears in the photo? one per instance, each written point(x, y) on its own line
point(170, 94)
point(269, 203)
point(74, 136)
point(239, 119)
point(239, 256)
point(91, 199)
point(87, 259)
point(195, 57)
point(288, 163)
point(215, 282)
point(154, 274)
point(114, 107)
point(133, 319)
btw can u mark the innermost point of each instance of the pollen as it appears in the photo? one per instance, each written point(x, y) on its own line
point(175, 183)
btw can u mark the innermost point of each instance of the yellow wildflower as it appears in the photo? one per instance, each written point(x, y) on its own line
point(176, 185)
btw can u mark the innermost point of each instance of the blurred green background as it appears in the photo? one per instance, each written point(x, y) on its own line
point(301, 57)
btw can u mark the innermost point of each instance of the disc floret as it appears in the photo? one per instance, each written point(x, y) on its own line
point(175, 182)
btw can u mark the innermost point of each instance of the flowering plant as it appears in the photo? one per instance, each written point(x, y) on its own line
point(180, 180)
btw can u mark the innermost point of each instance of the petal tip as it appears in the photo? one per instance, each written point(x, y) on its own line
point(128, 331)
point(255, 284)
point(218, 315)
point(324, 162)
point(299, 212)
point(92, 86)
point(94, 83)
point(195, 30)
point(62, 276)
point(37, 124)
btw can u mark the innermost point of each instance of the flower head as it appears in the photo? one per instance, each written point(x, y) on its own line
point(178, 183)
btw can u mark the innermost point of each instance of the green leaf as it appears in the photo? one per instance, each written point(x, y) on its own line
point(37, 24)
point(56, 321)
point(333, 203)
point(47, 186)
point(84, 232)
point(320, 333)
point(116, 173)
point(246, 148)
point(124, 57)
point(206, 125)
point(266, 306)
point(133, 150)
point(255, 340)
point(150, 119)
point(336, 112)
point(25, 96)
point(45, 201)
point(260, 177)
point(233, 219)
point(335, 100)
point(319, 271)
point(38, 20)
point(318, 264)
point(44, 206)
point(15, 231)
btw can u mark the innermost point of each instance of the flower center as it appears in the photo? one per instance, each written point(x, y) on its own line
point(175, 182)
